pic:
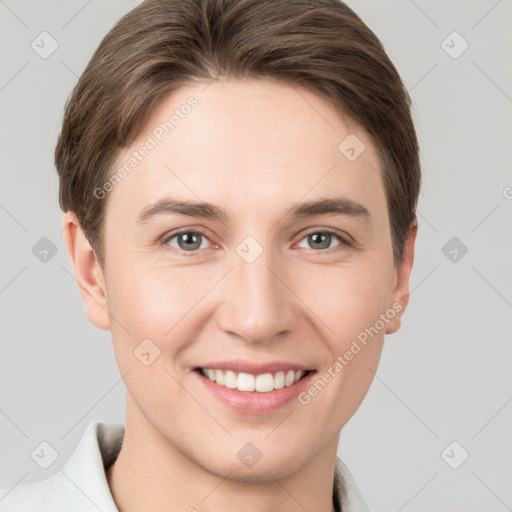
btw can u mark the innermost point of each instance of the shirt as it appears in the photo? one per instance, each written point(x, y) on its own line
point(82, 485)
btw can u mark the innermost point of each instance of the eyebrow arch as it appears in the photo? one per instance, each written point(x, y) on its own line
point(329, 206)
point(325, 206)
point(190, 208)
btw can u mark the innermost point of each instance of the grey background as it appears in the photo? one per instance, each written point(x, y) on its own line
point(444, 377)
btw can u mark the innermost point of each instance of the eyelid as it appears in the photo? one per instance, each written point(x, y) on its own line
point(345, 239)
point(164, 240)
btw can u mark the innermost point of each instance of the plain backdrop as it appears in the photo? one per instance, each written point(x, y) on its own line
point(444, 378)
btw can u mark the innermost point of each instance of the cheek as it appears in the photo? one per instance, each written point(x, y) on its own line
point(350, 306)
point(346, 300)
point(155, 299)
point(153, 306)
point(349, 303)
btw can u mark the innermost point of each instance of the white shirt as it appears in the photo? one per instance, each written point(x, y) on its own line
point(82, 485)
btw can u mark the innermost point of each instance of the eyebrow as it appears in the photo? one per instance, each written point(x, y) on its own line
point(322, 206)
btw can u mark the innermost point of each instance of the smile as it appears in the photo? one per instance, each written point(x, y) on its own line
point(262, 383)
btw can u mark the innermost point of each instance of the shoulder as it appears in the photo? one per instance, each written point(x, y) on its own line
point(54, 494)
point(80, 485)
point(346, 494)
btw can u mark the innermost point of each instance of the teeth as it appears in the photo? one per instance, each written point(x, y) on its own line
point(230, 380)
point(246, 382)
point(279, 380)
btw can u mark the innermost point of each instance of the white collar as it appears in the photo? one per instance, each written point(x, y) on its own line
point(83, 482)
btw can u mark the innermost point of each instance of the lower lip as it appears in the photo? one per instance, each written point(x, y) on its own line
point(254, 402)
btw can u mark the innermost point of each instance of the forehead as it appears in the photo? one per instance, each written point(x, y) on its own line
point(248, 144)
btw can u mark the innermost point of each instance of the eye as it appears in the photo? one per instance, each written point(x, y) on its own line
point(187, 241)
point(322, 240)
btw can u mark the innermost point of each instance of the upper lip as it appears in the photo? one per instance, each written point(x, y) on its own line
point(253, 368)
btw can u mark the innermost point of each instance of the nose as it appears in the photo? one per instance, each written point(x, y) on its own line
point(257, 303)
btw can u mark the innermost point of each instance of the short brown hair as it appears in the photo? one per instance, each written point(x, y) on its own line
point(162, 45)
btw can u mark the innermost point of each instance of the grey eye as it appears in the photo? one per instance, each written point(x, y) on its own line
point(320, 240)
point(188, 241)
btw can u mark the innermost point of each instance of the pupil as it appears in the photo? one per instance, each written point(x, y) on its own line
point(189, 241)
point(323, 238)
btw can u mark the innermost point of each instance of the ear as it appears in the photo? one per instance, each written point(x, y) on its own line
point(89, 275)
point(400, 295)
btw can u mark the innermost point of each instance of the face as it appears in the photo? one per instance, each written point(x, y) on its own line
point(247, 240)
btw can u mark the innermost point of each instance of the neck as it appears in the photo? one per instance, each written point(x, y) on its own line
point(152, 474)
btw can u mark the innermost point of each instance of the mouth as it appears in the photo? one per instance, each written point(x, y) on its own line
point(254, 388)
point(253, 383)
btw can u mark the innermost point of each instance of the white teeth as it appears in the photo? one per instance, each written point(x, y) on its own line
point(219, 377)
point(290, 378)
point(230, 380)
point(279, 380)
point(246, 382)
point(265, 383)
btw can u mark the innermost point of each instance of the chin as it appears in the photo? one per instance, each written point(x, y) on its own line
point(265, 469)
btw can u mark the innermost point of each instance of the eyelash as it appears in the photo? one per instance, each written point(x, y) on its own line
point(344, 243)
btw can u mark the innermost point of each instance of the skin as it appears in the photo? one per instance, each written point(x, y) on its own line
point(253, 148)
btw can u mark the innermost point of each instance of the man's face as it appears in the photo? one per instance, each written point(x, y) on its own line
point(262, 284)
